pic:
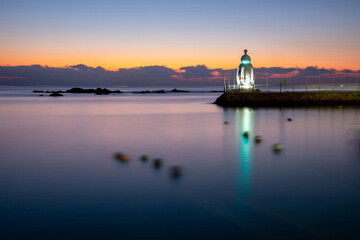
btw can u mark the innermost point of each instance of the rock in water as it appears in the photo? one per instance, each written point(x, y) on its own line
point(98, 91)
point(122, 157)
point(175, 172)
point(144, 158)
point(176, 90)
point(278, 147)
point(258, 139)
point(157, 163)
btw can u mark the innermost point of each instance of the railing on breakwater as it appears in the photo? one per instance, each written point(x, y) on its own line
point(337, 81)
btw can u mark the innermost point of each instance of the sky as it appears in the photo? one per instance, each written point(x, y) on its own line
point(117, 34)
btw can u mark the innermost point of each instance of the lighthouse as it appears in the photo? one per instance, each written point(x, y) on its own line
point(245, 73)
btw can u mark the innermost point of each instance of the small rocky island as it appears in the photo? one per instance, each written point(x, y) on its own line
point(287, 99)
point(97, 91)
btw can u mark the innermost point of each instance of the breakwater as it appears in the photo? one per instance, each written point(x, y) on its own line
point(275, 99)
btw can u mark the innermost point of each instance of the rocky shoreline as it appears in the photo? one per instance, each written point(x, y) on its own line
point(287, 99)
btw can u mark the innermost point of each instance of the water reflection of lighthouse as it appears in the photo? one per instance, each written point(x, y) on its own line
point(244, 119)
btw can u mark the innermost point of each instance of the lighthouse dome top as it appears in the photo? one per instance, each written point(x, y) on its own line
point(245, 59)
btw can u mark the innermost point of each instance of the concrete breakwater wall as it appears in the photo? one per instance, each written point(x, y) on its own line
point(265, 99)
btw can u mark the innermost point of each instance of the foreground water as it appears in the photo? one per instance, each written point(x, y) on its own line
point(59, 180)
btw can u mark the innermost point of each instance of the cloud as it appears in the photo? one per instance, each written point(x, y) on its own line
point(199, 75)
point(144, 76)
point(81, 67)
point(314, 70)
point(275, 70)
point(199, 71)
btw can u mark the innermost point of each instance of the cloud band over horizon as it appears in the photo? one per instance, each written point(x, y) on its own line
point(199, 75)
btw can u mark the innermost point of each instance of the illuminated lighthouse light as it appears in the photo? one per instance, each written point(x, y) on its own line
point(245, 73)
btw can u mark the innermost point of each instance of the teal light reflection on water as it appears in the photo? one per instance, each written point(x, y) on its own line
point(244, 120)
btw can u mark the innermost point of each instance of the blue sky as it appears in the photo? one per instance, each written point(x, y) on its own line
point(116, 34)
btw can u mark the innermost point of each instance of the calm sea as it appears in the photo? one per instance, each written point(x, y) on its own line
point(59, 179)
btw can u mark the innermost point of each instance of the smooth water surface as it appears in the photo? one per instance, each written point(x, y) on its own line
point(59, 179)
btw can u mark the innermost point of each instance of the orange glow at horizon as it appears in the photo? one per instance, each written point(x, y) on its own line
point(176, 59)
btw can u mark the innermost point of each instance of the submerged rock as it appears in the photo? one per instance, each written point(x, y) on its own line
point(157, 163)
point(258, 139)
point(278, 147)
point(144, 158)
point(176, 172)
point(122, 157)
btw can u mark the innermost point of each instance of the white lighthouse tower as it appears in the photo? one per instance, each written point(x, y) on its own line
point(245, 73)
